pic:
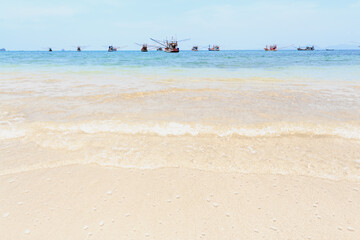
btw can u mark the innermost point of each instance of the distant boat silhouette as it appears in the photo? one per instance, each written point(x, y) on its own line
point(214, 48)
point(312, 48)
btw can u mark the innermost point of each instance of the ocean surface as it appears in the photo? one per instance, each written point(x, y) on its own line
point(257, 112)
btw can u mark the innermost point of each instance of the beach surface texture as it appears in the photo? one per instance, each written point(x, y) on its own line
point(226, 145)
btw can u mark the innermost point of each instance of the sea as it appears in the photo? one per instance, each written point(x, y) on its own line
point(253, 112)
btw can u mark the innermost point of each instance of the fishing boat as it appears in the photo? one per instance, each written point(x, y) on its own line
point(312, 48)
point(214, 48)
point(50, 50)
point(271, 48)
point(144, 47)
point(169, 46)
point(80, 48)
point(155, 47)
point(195, 48)
point(112, 49)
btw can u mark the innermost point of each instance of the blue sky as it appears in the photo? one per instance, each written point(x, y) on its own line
point(233, 24)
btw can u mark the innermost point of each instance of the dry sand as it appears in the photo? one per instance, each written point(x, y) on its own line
point(93, 202)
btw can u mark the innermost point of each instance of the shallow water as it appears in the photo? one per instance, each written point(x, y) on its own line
point(283, 112)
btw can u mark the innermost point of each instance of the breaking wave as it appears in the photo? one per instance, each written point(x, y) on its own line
point(343, 130)
point(349, 130)
point(10, 132)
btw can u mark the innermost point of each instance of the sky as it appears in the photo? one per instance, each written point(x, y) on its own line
point(232, 24)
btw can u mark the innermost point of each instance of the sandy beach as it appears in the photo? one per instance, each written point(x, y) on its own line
point(97, 146)
point(93, 202)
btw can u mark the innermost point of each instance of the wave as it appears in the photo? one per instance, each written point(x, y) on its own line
point(313, 149)
point(347, 130)
point(11, 132)
point(343, 130)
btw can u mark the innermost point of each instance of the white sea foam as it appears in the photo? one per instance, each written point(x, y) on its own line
point(239, 148)
point(343, 130)
point(11, 132)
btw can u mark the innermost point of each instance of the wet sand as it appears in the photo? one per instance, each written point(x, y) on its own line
point(95, 202)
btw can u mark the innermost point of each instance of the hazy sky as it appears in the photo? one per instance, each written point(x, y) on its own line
point(234, 24)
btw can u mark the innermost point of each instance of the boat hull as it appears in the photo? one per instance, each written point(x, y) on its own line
point(306, 49)
point(172, 50)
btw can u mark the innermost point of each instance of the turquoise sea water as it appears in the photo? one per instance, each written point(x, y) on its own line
point(319, 65)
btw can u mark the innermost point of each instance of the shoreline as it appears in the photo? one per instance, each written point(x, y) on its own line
point(55, 165)
point(322, 157)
